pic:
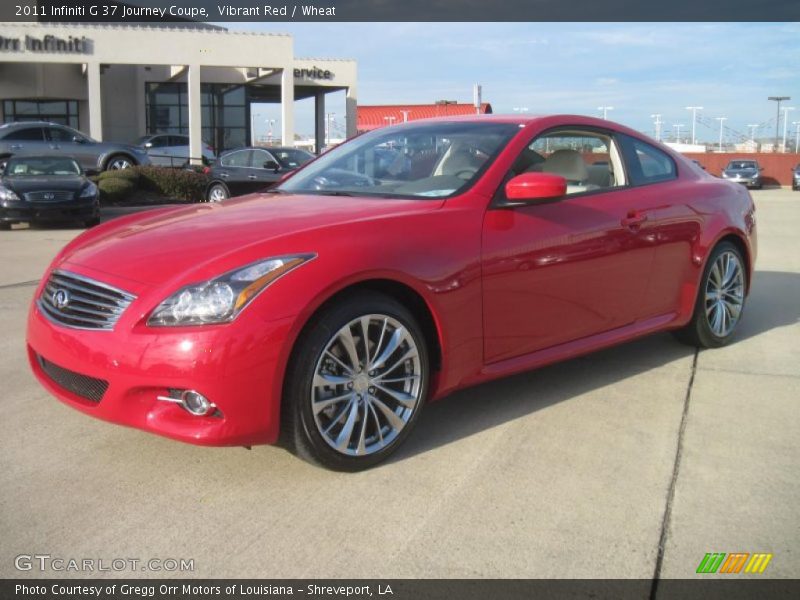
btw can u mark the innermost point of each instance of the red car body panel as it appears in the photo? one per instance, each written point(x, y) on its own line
point(507, 289)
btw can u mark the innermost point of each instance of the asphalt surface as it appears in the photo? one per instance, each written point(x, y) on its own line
point(630, 463)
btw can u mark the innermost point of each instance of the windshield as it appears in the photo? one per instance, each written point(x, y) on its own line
point(28, 167)
point(742, 164)
point(424, 160)
point(290, 158)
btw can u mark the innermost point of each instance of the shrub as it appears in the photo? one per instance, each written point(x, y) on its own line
point(125, 174)
point(179, 184)
point(115, 189)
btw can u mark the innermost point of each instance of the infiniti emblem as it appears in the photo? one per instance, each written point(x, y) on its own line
point(49, 195)
point(60, 298)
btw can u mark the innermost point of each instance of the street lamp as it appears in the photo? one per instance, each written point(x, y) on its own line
point(391, 119)
point(677, 127)
point(785, 110)
point(721, 121)
point(405, 115)
point(328, 118)
point(694, 110)
point(753, 127)
point(796, 135)
point(605, 110)
point(778, 99)
point(658, 122)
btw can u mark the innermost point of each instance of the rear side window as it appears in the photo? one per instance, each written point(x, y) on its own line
point(26, 134)
point(646, 163)
point(57, 134)
point(236, 159)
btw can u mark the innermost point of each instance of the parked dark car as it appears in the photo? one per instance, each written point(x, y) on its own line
point(796, 178)
point(45, 188)
point(746, 172)
point(247, 170)
point(39, 138)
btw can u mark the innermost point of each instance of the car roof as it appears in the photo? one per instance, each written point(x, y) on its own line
point(13, 124)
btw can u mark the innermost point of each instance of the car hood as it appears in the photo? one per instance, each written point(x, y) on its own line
point(23, 185)
point(742, 172)
point(199, 240)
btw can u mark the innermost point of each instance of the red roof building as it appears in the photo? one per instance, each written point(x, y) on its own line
point(372, 117)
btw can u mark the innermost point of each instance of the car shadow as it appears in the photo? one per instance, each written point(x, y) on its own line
point(773, 303)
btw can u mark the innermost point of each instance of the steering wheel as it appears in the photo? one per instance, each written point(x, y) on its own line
point(465, 174)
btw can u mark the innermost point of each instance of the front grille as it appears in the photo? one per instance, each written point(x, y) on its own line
point(81, 385)
point(59, 196)
point(76, 301)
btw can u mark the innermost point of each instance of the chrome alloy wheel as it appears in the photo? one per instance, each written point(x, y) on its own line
point(217, 194)
point(119, 163)
point(724, 294)
point(367, 385)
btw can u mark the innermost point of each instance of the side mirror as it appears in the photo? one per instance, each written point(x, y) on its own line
point(271, 164)
point(78, 139)
point(532, 187)
point(148, 145)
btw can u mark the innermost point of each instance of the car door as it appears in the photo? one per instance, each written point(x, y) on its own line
point(266, 170)
point(26, 141)
point(558, 271)
point(178, 149)
point(159, 151)
point(234, 170)
point(65, 141)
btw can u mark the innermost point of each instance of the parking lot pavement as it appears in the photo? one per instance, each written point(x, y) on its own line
point(568, 471)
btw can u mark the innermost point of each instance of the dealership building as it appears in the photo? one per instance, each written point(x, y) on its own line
point(117, 83)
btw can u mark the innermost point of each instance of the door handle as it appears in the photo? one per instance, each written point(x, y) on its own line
point(16, 146)
point(252, 176)
point(634, 219)
point(224, 175)
point(55, 146)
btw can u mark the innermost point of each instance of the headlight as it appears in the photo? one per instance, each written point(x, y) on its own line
point(221, 300)
point(7, 194)
point(89, 191)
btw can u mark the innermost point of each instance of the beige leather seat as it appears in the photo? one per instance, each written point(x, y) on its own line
point(571, 166)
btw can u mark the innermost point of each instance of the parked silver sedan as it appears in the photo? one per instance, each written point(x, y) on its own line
point(171, 149)
point(38, 138)
point(746, 172)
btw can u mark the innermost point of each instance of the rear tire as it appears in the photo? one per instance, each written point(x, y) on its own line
point(118, 162)
point(218, 192)
point(348, 405)
point(720, 300)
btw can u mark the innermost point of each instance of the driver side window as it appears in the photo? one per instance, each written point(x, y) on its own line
point(589, 160)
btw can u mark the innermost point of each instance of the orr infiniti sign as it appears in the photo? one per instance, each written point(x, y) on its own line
point(46, 44)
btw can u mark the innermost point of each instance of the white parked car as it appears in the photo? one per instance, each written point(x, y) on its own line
point(171, 149)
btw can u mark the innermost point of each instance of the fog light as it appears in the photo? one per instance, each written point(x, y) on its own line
point(196, 403)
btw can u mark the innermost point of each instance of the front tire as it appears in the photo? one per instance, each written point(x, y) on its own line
point(720, 299)
point(356, 384)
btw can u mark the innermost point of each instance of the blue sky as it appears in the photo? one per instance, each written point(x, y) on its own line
point(638, 68)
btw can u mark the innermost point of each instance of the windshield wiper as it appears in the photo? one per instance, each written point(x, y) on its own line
point(275, 191)
point(334, 193)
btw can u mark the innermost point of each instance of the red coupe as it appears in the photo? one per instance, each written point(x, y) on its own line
point(407, 263)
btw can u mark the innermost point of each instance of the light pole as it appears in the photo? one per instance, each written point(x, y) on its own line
point(753, 127)
point(677, 127)
point(796, 135)
point(270, 122)
point(391, 120)
point(658, 122)
point(778, 99)
point(605, 110)
point(694, 110)
point(721, 121)
point(786, 110)
point(405, 115)
point(328, 118)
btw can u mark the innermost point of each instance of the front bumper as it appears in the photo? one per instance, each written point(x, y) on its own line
point(746, 181)
point(14, 211)
point(238, 366)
